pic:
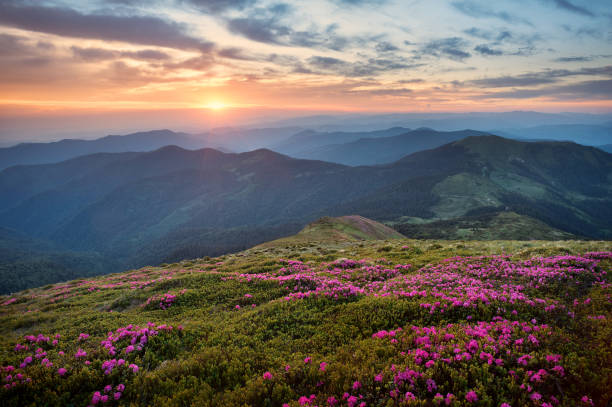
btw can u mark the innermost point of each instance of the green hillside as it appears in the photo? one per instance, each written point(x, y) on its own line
point(385, 323)
point(340, 229)
point(490, 225)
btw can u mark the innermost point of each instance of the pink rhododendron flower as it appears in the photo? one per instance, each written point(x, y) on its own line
point(471, 396)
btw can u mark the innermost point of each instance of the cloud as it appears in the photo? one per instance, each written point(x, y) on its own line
point(365, 68)
point(511, 81)
point(586, 58)
point(573, 59)
point(271, 30)
point(417, 80)
point(71, 23)
point(360, 2)
point(496, 36)
point(539, 78)
point(584, 31)
point(199, 63)
point(568, 6)
point(260, 30)
point(93, 54)
point(19, 51)
point(217, 6)
point(387, 92)
point(476, 10)
point(596, 89)
point(236, 53)
point(385, 46)
point(326, 62)
point(13, 44)
point(275, 25)
point(100, 54)
point(485, 50)
point(452, 48)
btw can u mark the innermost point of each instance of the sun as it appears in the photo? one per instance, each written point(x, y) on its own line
point(216, 105)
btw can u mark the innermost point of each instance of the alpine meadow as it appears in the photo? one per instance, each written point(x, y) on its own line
point(325, 203)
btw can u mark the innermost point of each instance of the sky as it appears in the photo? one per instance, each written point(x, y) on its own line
point(70, 65)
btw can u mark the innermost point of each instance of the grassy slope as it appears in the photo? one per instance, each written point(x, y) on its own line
point(487, 226)
point(339, 229)
point(222, 352)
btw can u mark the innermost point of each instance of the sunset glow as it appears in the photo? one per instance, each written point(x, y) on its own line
point(216, 105)
point(321, 55)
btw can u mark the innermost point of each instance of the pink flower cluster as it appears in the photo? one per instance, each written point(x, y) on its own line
point(107, 394)
point(458, 282)
point(134, 336)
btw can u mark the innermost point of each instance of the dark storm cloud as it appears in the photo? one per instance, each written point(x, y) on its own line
point(71, 23)
point(476, 10)
point(452, 48)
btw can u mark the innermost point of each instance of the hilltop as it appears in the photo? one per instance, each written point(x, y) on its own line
point(340, 229)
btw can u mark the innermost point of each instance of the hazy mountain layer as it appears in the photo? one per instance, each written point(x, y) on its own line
point(372, 151)
point(301, 143)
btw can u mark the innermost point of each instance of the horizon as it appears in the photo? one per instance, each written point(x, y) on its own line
point(37, 131)
point(71, 69)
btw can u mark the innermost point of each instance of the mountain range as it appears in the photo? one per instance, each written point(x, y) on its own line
point(224, 139)
point(586, 134)
point(152, 207)
point(387, 149)
point(361, 147)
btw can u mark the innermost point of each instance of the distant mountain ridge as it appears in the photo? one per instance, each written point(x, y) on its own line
point(586, 134)
point(225, 139)
point(307, 140)
point(45, 153)
point(382, 150)
point(606, 148)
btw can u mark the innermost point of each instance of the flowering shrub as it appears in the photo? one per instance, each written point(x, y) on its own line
point(163, 301)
